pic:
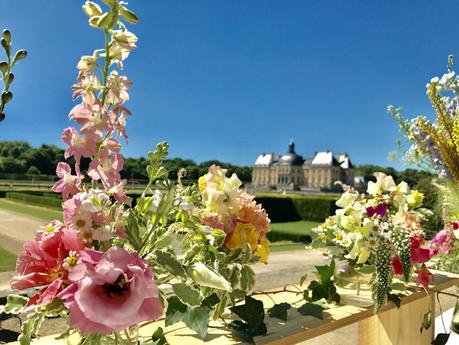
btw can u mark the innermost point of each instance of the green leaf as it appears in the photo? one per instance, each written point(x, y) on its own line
point(211, 300)
point(170, 263)
point(133, 231)
point(175, 312)
point(441, 339)
point(318, 290)
point(28, 328)
point(279, 311)
point(394, 299)
point(158, 337)
point(247, 278)
point(326, 272)
point(251, 312)
point(311, 309)
point(15, 304)
point(187, 295)
point(198, 320)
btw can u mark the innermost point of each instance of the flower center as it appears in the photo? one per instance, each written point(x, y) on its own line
point(48, 228)
point(80, 223)
point(118, 288)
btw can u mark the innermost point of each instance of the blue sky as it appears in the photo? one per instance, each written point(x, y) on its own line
point(231, 79)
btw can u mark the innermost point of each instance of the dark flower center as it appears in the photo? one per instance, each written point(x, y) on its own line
point(118, 288)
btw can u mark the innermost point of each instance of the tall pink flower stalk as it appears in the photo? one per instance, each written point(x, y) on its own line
point(105, 288)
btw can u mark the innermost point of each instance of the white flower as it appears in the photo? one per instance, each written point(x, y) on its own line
point(125, 39)
point(87, 64)
point(156, 199)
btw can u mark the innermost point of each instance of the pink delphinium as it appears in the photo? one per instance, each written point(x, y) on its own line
point(106, 168)
point(117, 292)
point(77, 145)
point(68, 183)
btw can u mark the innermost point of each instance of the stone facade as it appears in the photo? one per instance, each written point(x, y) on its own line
point(292, 171)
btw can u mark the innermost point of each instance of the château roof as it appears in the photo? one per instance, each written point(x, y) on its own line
point(265, 159)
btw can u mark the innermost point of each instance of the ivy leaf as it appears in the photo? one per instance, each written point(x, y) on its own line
point(198, 320)
point(176, 310)
point(394, 299)
point(325, 272)
point(251, 312)
point(187, 295)
point(15, 304)
point(158, 337)
point(170, 263)
point(279, 311)
point(247, 278)
point(211, 300)
point(311, 309)
point(441, 339)
point(318, 291)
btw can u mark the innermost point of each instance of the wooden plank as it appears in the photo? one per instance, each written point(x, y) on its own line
point(300, 328)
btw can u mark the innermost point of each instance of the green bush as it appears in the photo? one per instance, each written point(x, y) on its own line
point(291, 208)
point(38, 200)
point(276, 236)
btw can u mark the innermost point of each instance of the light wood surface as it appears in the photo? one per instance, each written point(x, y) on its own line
point(391, 326)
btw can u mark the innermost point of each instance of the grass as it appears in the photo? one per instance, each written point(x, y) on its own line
point(301, 227)
point(28, 210)
point(7, 261)
point(286, 247)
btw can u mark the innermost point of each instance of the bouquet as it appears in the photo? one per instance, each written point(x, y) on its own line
point(103, 265)
point(380, 231)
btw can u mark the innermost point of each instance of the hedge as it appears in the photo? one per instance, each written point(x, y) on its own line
point(276, 236)
point(40, 200)
point(293, 208)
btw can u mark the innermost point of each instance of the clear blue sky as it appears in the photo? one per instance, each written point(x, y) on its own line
point(231, 79)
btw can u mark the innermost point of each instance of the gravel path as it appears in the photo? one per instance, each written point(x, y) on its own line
point(15, 229)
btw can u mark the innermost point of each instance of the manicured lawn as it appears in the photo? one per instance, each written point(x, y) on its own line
point(7, 261)
point(286, 247)
point(28, 210)
point(301, 227)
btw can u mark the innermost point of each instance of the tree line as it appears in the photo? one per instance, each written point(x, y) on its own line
point(20, 158)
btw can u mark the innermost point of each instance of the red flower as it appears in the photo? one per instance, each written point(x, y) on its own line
point(424, 276)
point(397, 265)
point(418, 255)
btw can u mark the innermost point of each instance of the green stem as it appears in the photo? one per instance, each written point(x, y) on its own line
point(107, 65)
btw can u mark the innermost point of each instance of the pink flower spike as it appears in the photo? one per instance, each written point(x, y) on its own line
point(77, 145)
point(68, 184)
point(106, 168)
point(118, 192)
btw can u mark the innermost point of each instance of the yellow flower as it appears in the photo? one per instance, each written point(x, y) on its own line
point(263, 251)
point(243, 234)
point(415, 199)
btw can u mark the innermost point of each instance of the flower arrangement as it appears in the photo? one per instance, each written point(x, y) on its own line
point(379, 232)
point(103, 265)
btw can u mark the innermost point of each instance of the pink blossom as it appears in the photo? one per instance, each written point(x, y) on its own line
point(442, 241)
point(85, 87)
point(397, 265)
point(91, 116)
point(41, 262)
point(118, 192)
point(68, 184)
point(118, 292)
point(75, 217)
point(117, 88)
point(106, 168)
point(77, 145)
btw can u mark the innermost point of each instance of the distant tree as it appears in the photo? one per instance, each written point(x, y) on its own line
point(33, 170)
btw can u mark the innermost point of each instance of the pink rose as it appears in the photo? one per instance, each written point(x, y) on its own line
point(116, 293)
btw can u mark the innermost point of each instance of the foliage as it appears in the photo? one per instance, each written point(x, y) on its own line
point(294, 208)
point(35, 199)
point(252, 315)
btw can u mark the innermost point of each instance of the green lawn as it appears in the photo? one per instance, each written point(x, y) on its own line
point(286, 247)
point(300, 227)
point(7, 261)
point(34, 211)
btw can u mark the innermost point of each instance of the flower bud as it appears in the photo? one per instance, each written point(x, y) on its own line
point(10, 78)
point(20, 55)
point(2, 117)
point(5, 45)
point(107, 20)
point(93, 21)
point(6, 97)
point(129, 15)
point(204, 276)
point(3, 67)
point(92, 9)
point(110, 2)
point(6, 34)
